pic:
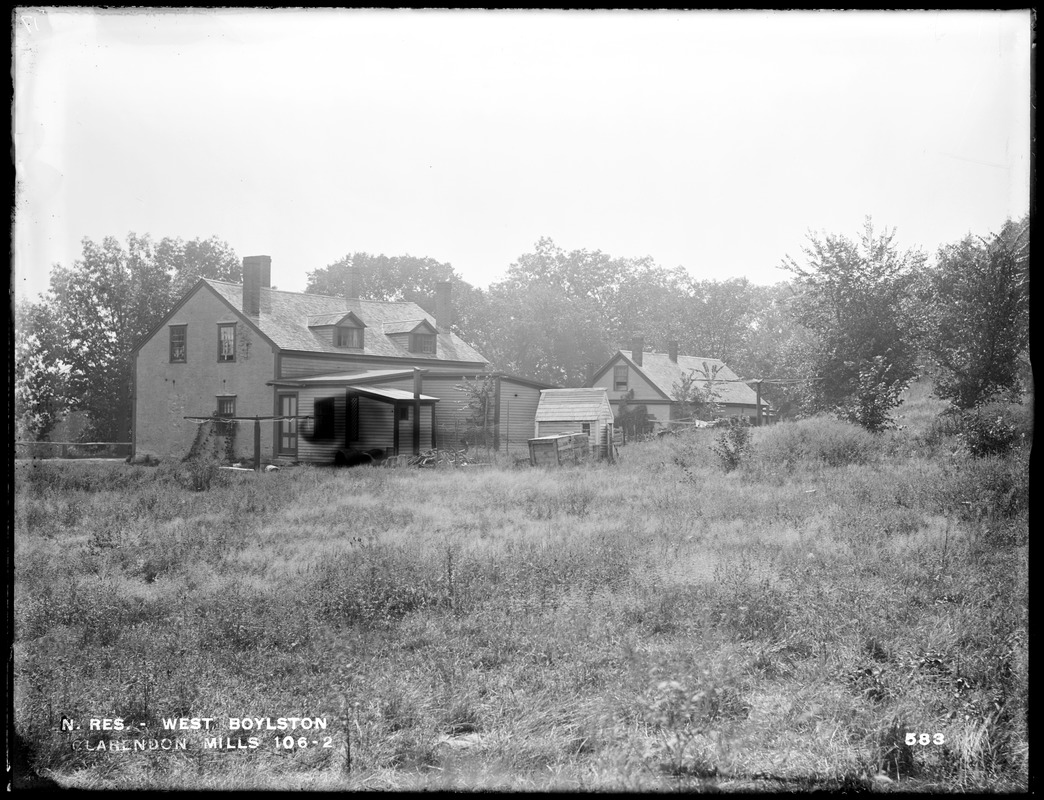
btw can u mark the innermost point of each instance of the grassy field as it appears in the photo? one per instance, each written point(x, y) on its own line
point(660, 623)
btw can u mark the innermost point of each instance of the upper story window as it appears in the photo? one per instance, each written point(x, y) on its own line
point(178, 334)
point(422, 343)
point(349, 337)
point(620, 378)
point(227, 342)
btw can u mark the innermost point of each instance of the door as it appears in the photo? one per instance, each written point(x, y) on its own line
point(286, 435)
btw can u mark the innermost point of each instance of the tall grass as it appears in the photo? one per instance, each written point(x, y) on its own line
point(656, 624)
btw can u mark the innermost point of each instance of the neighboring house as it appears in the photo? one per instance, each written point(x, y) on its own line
point(576, 411)
point(652, 380)
point(360, 370)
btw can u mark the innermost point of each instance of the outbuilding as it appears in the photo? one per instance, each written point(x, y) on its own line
point(576, 411)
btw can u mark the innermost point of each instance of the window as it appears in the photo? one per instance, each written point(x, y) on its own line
point(422, 343)
point(226, 407)
point(586, 428)
point(177, 343)
point(350, 337)
point(323, 424)
point(404, 413)
point(227, 342)
point(620, 378)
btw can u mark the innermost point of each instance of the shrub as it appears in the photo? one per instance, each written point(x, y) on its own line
point(995, 428)
point(733, 446)
point(818, 440)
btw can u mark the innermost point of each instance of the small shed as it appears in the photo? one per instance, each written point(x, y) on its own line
point(576, 411)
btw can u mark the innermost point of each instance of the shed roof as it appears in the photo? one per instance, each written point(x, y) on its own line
point(573, 404)
point(285, 318)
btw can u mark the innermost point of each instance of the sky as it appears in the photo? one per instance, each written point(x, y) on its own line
point(714, 141)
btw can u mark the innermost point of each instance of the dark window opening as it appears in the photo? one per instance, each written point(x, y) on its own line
point(404, 412)
point(323, 424)
point(422, 343)
point(350, 337)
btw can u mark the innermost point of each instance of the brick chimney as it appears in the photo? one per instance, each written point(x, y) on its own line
point(672, 351)
point(444, 306)
point(257, 274)
point(637, 346)
point(589, 371)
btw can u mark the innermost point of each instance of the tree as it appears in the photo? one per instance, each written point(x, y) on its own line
point(400, 278)
point(539, 332)
point(97, 310)
point(695, 394)
point(976, 312)
point(481, 398)
point(41, 374)
point(855, 296)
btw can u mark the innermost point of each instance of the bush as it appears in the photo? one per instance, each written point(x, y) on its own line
point(733, 446)
point(819, 440)
point(996, 428)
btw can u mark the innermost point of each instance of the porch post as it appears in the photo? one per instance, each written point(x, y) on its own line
point(416, 410)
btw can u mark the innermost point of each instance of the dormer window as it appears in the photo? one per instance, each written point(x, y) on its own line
point(422, 343)
point(349, 337)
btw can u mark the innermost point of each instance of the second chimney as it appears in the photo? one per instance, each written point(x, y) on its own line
point(637, 346)
point(444, 306)
point(257, 273)
point(672, 351)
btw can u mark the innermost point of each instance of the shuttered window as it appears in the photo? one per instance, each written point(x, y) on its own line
point(351, 433)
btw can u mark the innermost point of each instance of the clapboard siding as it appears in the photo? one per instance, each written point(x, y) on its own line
point(301, 366)
point(376, 426)
point(319, 451)
point(518, 405)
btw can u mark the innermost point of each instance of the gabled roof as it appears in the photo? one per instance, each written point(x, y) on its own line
point(665, 374)
point(572, 404)
point(409, 326)
point(285, 318)
point(335, 319)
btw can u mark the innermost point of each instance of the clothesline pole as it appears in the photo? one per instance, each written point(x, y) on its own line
point(257, 444)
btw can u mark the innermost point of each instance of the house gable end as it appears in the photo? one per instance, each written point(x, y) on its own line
point(621, 358)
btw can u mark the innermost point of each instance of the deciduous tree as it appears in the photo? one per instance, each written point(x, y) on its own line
point(855, 296)
point(976, 315)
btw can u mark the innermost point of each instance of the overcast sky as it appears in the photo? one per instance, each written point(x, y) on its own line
point(710, 140)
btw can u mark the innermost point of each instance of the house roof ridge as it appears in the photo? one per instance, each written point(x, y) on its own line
point(327, 296)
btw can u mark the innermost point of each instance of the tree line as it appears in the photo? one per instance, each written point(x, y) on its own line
point(852, 323)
